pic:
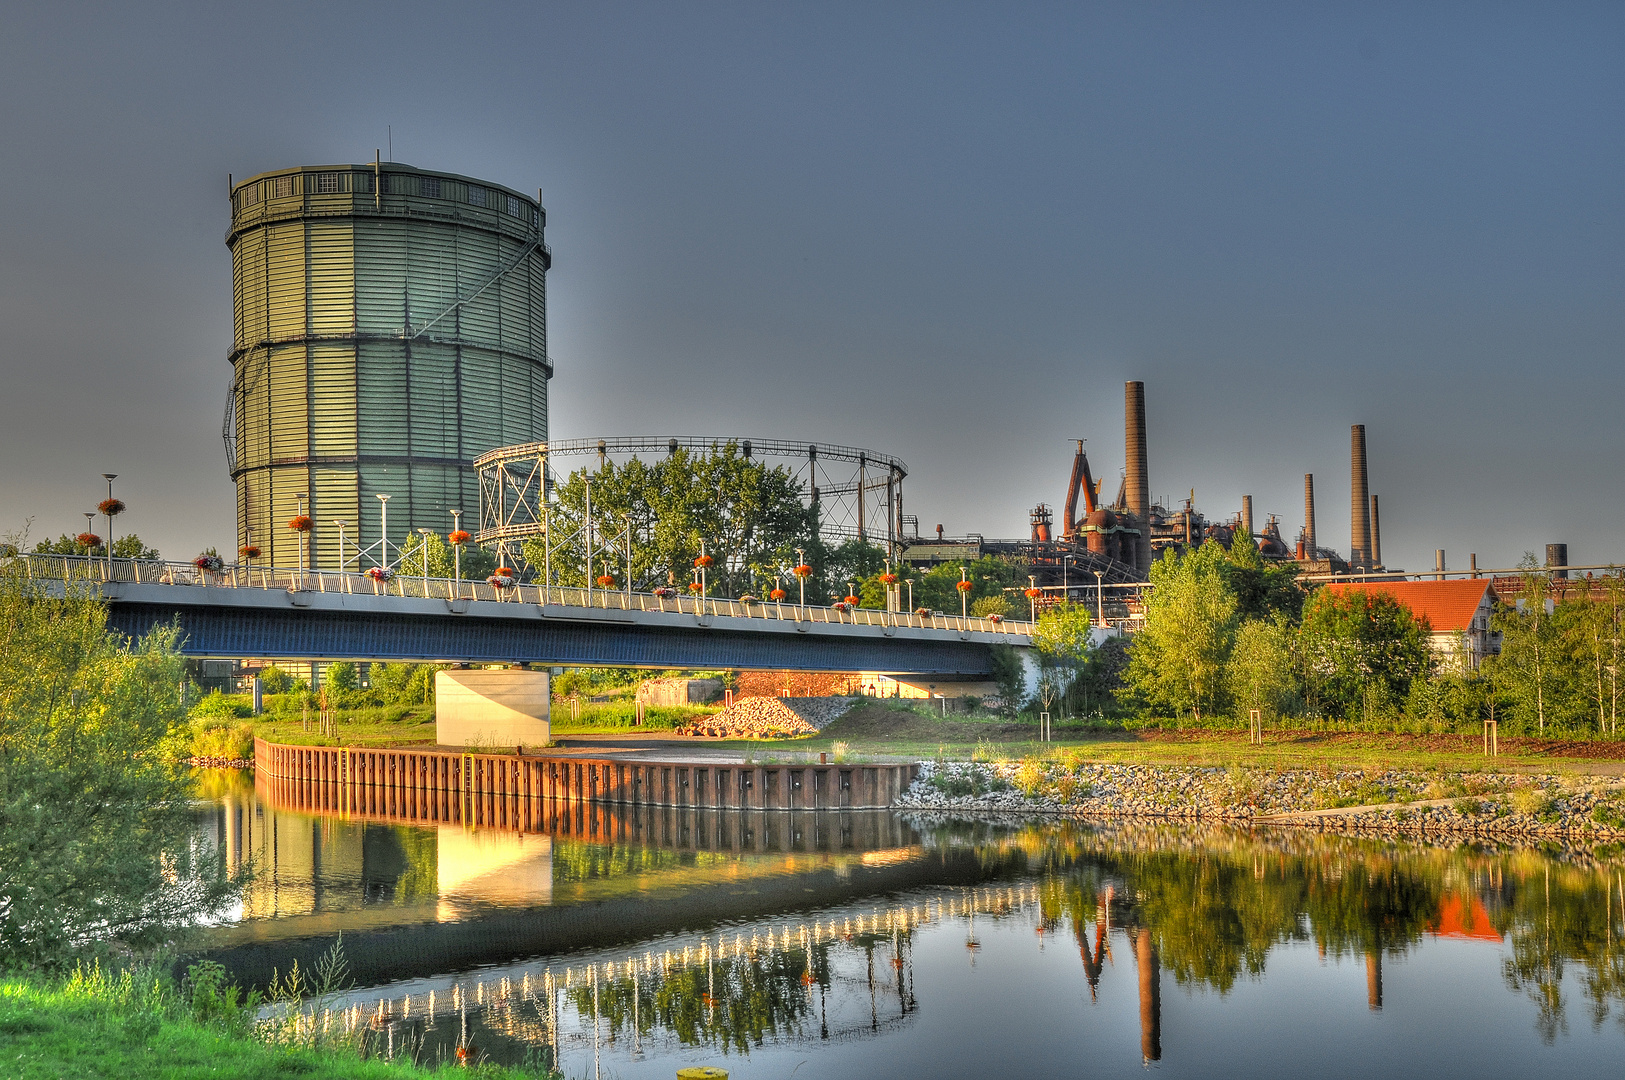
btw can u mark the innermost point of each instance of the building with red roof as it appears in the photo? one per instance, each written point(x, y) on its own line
point(1457, 613)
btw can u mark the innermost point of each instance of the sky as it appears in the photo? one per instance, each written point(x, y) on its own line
point(947, 232)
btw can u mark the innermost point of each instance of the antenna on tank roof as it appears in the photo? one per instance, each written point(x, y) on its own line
point(389, 131)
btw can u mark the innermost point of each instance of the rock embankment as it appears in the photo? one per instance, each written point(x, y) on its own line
point(1387, 801)
point(769, 718)
point(220, 763)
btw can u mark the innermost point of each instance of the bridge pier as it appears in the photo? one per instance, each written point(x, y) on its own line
point(491, 707)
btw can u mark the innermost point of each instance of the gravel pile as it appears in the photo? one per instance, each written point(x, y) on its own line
point(769, 718)
point(1479, 804)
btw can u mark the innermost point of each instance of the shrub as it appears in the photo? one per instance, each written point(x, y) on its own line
point(273, 680)
point(222, 739)
point(218, 706)
point(1029, 777)
point(341, 677)
point(1532, 801)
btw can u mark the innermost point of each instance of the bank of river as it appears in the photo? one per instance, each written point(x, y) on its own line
point(1391, 800)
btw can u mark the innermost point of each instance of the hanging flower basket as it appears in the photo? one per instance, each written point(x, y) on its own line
point(704, 560)
point(300, 523)
point(964, 586)
point(458, 537)
point(888, 579)
point(995, 618)
point(665, 591)
point(694, 586)
point(850, 601)
point(380, 574)
point(841, 605)
point(803, 571)
point(248, 551)
point(606, 581)
point(212, 564)
point(89, 539)
point(500, 581)
point(1032, 594)
point(748, 599)
point(922, 612)
point(110, 507)
point(777, 594)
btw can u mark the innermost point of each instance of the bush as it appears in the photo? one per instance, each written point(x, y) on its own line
point(1532, 801)
point(218, 738)
point(273, 680)
point(342, 677)
point(218, 706)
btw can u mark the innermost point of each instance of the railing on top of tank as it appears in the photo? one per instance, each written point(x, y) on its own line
point(158, 572)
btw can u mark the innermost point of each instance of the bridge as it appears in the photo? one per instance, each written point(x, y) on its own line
point(283, 613)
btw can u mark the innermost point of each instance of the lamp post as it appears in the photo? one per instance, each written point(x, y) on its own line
point(90, 516)
point(457, 547)
point(586, 482)
point(425, 534)
point(801, 577)
point(342, 525)
point(964, 594)
point(112, 508)
point(911, 596)
point(1100, 596)
point(1032, 597)
point(383, 531)
point(299, 515)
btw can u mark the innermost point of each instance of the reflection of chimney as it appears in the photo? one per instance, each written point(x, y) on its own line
point(1309, 515)
point(1376, 535)
point(1247, 515)
point(1373, 980)
point(1137, 482)
point(1359, 503)
point(1150, 997)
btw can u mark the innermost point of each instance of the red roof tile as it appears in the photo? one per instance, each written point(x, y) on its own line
point(1448, 606)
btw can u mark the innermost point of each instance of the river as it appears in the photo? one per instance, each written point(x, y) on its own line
point(632, 942)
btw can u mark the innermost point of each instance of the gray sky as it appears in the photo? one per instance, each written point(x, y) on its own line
point(947, 232)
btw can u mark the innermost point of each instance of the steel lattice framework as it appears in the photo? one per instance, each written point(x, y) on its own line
point(859, 493)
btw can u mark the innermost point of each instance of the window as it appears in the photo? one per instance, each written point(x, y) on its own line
point(249, 195)
point(362, 181)
point(282, 187)
point(477, 196)
point(515, 207)
point(327, 183)
point(429, 186)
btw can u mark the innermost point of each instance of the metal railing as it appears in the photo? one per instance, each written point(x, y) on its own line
point(292, 579)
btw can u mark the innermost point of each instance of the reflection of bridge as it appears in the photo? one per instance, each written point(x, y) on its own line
point(325, 615)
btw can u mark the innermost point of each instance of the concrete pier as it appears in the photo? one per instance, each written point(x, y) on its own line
point(491, 707)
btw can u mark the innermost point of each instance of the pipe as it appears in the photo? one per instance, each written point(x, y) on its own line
point(1137, 481)
point(1359, 503)
point(1309, 515)
point(1376, 535)
point(1247, 516)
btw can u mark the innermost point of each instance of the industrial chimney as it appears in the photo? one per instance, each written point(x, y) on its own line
point(1359, 503)
point(1247, 515)
point(1137, 482)
point(1309, 515)
point(1558, 555)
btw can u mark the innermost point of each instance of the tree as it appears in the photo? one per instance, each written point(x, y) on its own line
point(1061, 640)
point(342, 677)
point(1356, 644)
point(1529, 646)
point(749, 517)
point(129, 546)
point(478, 563)
point(1263, 589)
point(1177, 662)
point(1263, 669)
point(95, 813)
point(938, 590)
point(1009, 676)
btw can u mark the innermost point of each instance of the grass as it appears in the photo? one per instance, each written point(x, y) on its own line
point(145, 1030)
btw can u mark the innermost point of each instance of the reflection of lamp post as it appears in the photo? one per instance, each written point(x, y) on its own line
point(1100, 596)
point(383, 531)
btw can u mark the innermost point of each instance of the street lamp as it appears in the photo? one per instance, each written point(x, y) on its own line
point(90, 516)
point(424, 534)
point(1100, 597)
point(457, 540)
point(110, 507)
point(964, 588)
point(802, 570)
point(383, 531)
point(299, 515)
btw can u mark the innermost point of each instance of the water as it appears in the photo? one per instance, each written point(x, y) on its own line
point(878, 945)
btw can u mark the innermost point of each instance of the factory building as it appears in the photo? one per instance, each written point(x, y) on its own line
point(390, 327)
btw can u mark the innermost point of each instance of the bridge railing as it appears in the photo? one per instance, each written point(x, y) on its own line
point(159, 572)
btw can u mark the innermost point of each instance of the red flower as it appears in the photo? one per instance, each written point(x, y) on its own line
point(694, 586)
point(458, 536)
point(995, 617)
point(888, 579)
point(777, 594)
point(922, 611)
point(803, 571)
point(704, 560)
point(248, 551)
point(850, 600)
point(110, 507)
point(89, 539)
point(378, 573)
point(605, 581)
point(964, 586)
point(300, 523)
point(664, 592)
point(1033, 594)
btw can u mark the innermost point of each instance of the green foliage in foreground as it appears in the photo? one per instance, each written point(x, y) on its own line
point(95, 810)
point(141, 1025)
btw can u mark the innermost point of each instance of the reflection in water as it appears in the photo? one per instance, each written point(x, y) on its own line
point(1208, 908)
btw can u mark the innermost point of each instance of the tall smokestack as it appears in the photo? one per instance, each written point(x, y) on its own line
point(1376, 534)
point(1359, 503)
point(1137, 483)
point(1309, 515)
point(1247, 515)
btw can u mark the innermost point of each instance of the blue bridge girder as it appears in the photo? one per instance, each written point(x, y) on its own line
point(278, 624)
